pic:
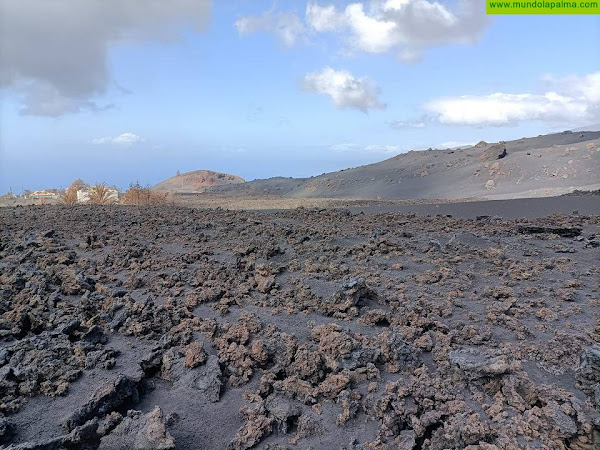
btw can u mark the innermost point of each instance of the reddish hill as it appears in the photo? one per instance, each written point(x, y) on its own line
point(197, 181)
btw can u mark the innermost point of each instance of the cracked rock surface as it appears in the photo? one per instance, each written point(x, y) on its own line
point(174, 328)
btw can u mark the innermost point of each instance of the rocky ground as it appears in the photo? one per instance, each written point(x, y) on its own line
point(167, 327)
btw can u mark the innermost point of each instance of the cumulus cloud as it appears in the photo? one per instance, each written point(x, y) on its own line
point(287, 27)
point(324, 18)
point(43, 99)
point(55, 53)
point(344, 89)
point(574, 100)
point(405, 27)
point(587, 86)
point(124, 139)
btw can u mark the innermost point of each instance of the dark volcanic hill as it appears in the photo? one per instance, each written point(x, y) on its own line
point(530, 167)
point(197, 181)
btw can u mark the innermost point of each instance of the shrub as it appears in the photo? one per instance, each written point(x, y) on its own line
point(79, 184)
point(100, 194)
point(69, 197)
point(138, 195)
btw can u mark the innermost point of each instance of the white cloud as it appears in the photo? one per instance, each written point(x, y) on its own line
point(41, 98)
point(383, 148)
point(574, 100)
point(405, 27)
point(368, 33)
point(55, 53)
point(344, 147)
point(127, 139)
point(587, 86)
point(344, 89)
point(400, 124)
point(323, 18)
point(101, 140)
point(287, 27)
point(124, 139)
point(455, 144)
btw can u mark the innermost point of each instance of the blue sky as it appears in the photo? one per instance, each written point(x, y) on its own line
point(262, 89)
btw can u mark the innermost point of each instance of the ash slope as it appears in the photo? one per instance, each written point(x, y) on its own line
point(316, 328)
point(533, 167)
point(196, 181)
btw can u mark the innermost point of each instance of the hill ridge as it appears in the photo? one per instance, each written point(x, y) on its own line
point(545, 165)
point(196, 181)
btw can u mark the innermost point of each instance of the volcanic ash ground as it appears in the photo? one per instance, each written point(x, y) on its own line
point(163, 328)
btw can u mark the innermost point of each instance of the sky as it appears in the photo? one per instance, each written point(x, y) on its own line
point(120, 92)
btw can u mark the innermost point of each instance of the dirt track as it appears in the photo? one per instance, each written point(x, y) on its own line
point(169, 327)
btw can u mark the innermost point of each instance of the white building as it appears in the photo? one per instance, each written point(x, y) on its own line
point(43, 195)
point(83, 196)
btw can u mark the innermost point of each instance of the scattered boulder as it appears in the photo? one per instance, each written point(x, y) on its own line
point(479, 363)
point(6, 429)
point(95, 335)
point(407, 440)
point(494, 152)
point(116, 394)
point(140, 432)
point(284, 411)
point(265, 284)
point(352, 294)
point(194, 355)
point(334, 384)
point(307, 426)
point(567, 232)
point(83, 437)
point(588, 374)
point(204, 380)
